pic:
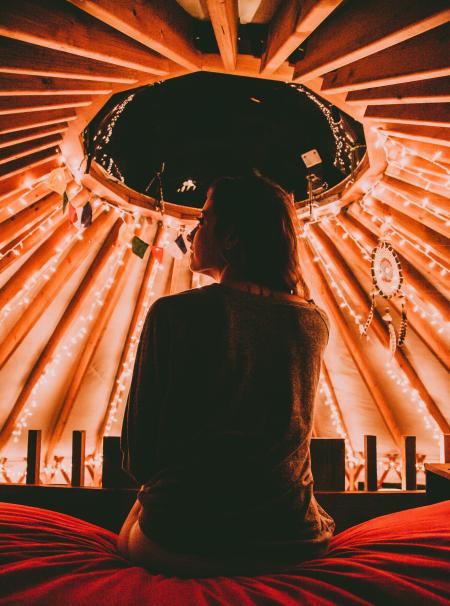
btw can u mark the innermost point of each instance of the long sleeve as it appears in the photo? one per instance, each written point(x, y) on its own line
point(146, 397)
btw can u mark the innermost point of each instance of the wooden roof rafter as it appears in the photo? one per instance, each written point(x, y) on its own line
point(224, 19)
point(31, 59)
point(91, 344)
point(69, 316)
point(59, 26)
point(292, 24)
point(30, 134)
point(367, 31)
point(161, 25)
point(352, 343)
point(433, 90)
point(421, 57)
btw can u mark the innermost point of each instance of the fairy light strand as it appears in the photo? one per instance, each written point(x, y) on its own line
point(344, 304)
point(124, 379)
point(398, 376)
point(408, 201)
point(424, 249)
point(344, 144)
point(66, 349)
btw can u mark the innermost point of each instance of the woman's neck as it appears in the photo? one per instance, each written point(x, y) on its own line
point(231, 279)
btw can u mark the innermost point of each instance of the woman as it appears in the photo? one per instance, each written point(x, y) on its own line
point(219, 418)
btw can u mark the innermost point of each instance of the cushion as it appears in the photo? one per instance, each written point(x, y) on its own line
point(48, 558)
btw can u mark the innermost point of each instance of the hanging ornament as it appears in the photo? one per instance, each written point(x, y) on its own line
point(65, 201)
point(387, 279)
point(56, 181)
point(158, 253)
point(138, 246)
point(179, 241)
point(86, 215)
point(155, 188)
point(392, 336)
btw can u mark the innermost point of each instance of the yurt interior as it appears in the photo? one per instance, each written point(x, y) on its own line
point(115, 118)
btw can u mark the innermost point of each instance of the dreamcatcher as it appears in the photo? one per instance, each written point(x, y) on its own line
point(387, 281)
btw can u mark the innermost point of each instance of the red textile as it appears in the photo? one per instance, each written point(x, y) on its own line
point(51, 559)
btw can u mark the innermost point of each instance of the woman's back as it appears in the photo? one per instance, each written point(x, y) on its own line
point(219, 423)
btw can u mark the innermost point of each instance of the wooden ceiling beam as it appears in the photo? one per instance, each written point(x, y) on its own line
point(423, 114)
point(39, 258)
point(359, 29)
point(69, 316)
point(400, 190)
point(432, 184)
point(32, 133)
point(93, 340)
point(293, 22)
point(30, 147)
point(420, 58)
point(350, 340)
point(53, 286)
point(425, 134)
point(25, 105)
point(29, 59)
point(434, 90)
point(19, 166)
point(421, 327)
point(31, 176)
point(425, 150)
point(161, 25)
point(360, 298)
point(23, 85)
point(25, 196)
point(224, 19)
point(429, 169)
point(137, 313)
point(62, 27)
point(28, 217)
point(419, 281)
point(382, 204)
point(35, 120)
point(7, 257)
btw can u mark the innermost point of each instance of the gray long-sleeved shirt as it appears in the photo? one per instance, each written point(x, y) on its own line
point(218, 424)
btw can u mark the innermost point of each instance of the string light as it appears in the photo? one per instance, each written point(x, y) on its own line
point(407, 201)
point(344, 304)
point(44, 225)
point(424, 249)
point(398, 376)
point(66, 349)
point(390, 143)
point(344, 143)
point(103, 137)
point(325, 390)
point(124, 379)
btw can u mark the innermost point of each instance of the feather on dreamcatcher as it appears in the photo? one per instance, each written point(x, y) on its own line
point(387, 279)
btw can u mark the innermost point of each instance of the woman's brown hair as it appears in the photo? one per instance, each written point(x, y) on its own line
point(261, 216)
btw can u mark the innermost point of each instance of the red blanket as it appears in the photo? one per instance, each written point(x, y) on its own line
point(51, 559)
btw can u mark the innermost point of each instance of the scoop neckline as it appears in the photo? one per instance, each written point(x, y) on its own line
point(257, 297)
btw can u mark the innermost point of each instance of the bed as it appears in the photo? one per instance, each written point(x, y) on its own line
point(52, 559)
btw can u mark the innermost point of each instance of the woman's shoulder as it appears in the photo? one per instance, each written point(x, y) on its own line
point(185, 298)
